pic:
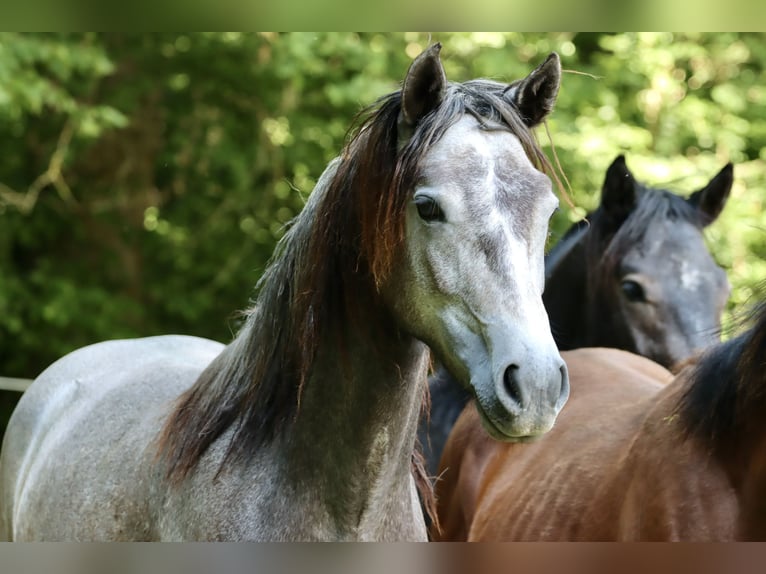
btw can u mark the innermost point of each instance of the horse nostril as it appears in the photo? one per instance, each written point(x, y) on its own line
point(511, 384)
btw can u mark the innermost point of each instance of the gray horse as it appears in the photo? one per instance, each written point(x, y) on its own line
point(427, 231)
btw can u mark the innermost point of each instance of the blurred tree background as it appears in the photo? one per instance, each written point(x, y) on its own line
point(146, 178)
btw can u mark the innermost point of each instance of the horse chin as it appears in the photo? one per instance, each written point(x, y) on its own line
point(495, 432)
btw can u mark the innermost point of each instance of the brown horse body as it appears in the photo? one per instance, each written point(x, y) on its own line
point(620, 464)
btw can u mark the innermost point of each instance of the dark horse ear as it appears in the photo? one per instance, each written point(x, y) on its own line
point(422, 91)
point(711, 199)
point(618, 196)
point(535, 95)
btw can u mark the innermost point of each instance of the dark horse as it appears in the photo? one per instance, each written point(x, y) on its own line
point(303, 427)
point(635, 275)
point(634, 456)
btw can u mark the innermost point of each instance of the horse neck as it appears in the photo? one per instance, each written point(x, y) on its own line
point(663, 474)
point(352, 440)
point(743, 449)
point(722, 408)
point(564, 296)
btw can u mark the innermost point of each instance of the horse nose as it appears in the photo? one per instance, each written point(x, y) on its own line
point(513, 388)
point(517, 397)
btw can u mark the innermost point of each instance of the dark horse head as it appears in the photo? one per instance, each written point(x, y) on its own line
point(636, 273)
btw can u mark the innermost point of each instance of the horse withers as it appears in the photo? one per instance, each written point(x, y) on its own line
point(429, 229)
point(635, 274)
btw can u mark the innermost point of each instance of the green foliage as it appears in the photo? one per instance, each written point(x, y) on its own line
point(145, 179)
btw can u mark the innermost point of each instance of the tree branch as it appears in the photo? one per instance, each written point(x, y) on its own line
point(53, 175)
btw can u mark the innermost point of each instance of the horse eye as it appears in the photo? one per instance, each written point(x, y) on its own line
point(428, 209)
point(633, 291)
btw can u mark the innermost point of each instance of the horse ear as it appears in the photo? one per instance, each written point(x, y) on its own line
point(618, 196)
point(535, 95)
point(711, 199)
point(423, 89)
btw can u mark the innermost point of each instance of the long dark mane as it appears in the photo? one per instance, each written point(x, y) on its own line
point(726, 390)
point(331, 261)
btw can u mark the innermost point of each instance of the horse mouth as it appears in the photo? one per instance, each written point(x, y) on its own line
point(495, 432)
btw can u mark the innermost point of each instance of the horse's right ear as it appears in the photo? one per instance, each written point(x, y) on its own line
point(711, 199)
point(618, 196)
point(423, 90)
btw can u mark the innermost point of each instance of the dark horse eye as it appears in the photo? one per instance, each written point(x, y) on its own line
point(428, 209)
point(633, 291)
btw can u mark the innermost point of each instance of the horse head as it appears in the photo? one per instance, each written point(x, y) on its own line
point(471, 275)
point(664, 288)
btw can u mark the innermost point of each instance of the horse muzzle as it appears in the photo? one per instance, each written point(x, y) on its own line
point(524, 399)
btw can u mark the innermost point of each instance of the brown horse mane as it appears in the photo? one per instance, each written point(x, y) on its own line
point(333, 258)
point(726, 389)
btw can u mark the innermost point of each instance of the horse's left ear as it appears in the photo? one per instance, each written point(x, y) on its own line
point(423, 89)
point(535, 95)
point(618, 194)
point(711, 199)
